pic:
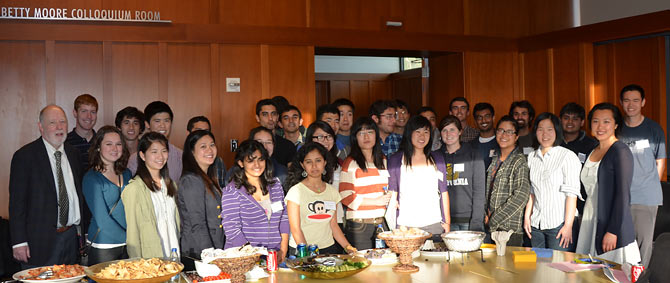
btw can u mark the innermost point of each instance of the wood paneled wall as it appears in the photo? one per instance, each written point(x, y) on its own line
point(361, 89)
point(190, 77)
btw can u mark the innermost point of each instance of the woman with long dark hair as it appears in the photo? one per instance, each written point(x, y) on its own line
point(362, 185)
point(267, 139)
point(418, 176)
point(321, 132)
point(607, 229)
point(465, 177)
point(102, 187)
point(252, 204)
point(312, 202)
point(149, 199)
point(199, 197)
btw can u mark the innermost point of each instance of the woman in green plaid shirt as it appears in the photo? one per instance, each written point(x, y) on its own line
point(507, 184)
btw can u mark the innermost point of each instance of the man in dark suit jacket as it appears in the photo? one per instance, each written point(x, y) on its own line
point(45, 198)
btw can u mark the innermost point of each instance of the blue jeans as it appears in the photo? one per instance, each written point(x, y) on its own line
point(546, 238)
point(460, 226)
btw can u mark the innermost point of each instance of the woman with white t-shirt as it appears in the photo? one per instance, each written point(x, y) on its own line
point(418, 176)
point(312, 202)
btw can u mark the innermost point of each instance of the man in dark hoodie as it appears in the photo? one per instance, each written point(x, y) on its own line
point(466, 178)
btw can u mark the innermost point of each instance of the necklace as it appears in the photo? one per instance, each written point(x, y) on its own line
point(316, 188)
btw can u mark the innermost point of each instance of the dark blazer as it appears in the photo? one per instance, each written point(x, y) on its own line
point(33, 205)
point(200, 214)
point(615, 175)
point(394, 164)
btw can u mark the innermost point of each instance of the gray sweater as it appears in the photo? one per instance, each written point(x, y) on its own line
point(466, 178)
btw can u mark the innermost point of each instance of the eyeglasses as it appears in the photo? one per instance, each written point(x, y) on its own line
point(322, 138)
point(389, 116)
point(366, 133)
point(501, 131)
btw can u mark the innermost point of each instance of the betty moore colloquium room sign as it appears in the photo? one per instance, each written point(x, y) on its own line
point(65, 14)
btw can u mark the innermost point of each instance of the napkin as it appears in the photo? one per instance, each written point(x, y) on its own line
point(501, 238)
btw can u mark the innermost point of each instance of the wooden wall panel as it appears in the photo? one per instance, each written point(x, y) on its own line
point(546, 16)
point(339, 89)
point(238, 108)
point(380, 90)
point(537, 85)
point(496, 18)
point(492, 78)
point(291, 13)
point(134, 73)
point(566, 82)
point(406, 86)
point(445, 82)
point(349, 14)
point(78, 69)
point(22, 95)
point(360, 96)
point(291, 77)
point(188, 84)
point(434, 16)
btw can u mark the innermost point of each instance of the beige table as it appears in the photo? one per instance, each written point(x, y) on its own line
point(495, 269)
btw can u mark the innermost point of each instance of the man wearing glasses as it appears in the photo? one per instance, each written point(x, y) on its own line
point(383, 112)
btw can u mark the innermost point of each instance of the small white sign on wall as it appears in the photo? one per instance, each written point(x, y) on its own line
point(232, 84)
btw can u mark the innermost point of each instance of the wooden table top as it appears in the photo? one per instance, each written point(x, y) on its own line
point(494, 269)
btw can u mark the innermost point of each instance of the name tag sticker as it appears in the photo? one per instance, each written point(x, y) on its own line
point(492, 153)
point(384, 173)
point(329, 205)
point(527, 150)
point(642, 144)
point(277, 206)
point(440, 176)
point(582, 157)
point(460, 167)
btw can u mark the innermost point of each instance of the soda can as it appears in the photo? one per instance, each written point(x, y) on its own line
point(635, 271)
point(301, 250)
point(313, 250)
point(272, 260)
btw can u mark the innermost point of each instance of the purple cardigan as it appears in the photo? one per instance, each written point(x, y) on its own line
point(394, 163)
point(244, 219)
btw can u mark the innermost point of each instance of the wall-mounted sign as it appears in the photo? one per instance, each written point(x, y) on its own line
point(65, 14)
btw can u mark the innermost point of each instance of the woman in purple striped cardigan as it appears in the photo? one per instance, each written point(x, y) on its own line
point(252, 204)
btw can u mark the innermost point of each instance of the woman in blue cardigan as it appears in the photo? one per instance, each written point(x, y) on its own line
point(607, 224)
point(102, 187)
point(418, 177)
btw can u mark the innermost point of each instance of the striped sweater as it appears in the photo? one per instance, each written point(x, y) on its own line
point(356, 185)
point(244, 220)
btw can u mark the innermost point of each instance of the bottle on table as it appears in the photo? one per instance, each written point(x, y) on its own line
point(174, 256)
point(379, 243)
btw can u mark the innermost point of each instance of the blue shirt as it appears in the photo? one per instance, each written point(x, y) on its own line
point(391, 144)
point(647, 143)
point(101, 195)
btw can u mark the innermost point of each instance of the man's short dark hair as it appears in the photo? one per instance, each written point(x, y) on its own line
point(156, 107)
point(289, 108)
point(401, 104)
point(573, 108)
point(632, 87)
point(378, 107)
point(326, 108)
point(523, 104)
point(264, 102)
point(130, 112)
point(482, 106)
point(425, 109)
point(196, 119)
point(280, 102)
point(343, 101)
point(460, 98)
